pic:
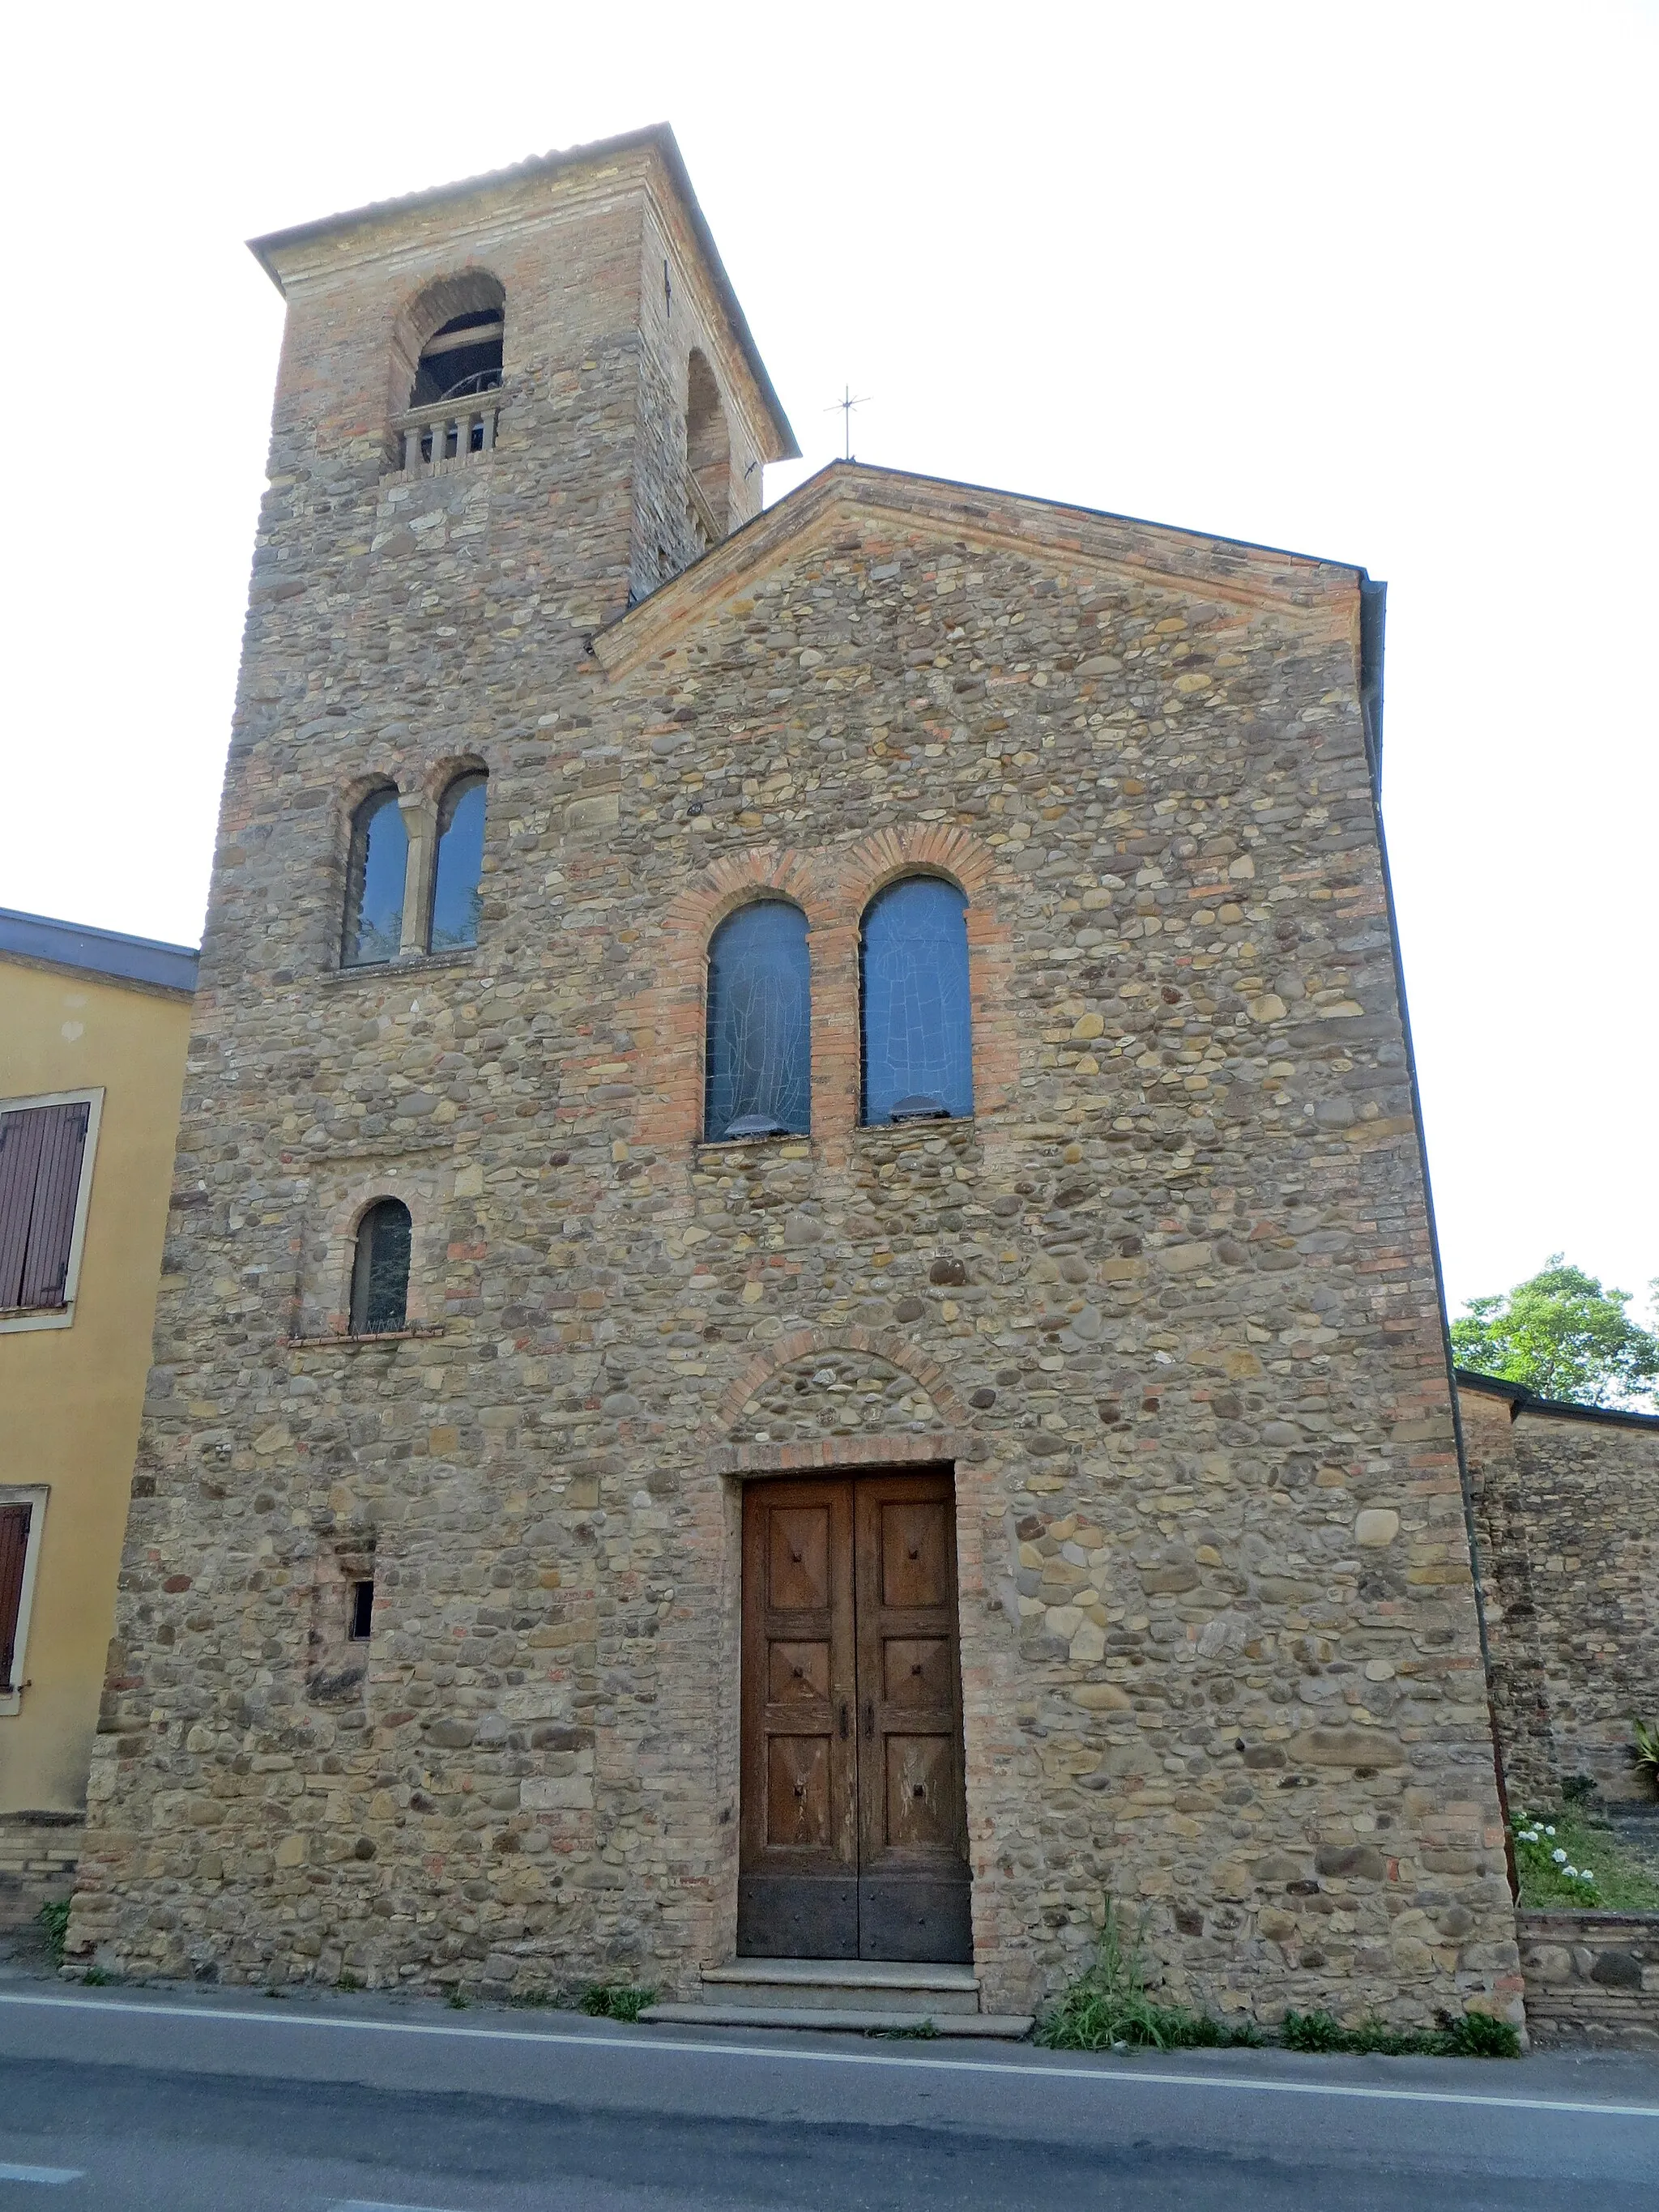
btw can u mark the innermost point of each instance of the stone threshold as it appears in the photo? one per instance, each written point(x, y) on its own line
point(846, 1974)
point(1008, 2026)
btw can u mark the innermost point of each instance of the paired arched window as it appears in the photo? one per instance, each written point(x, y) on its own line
point(375, 880)
point(915, 1020)
point(759, 1062)
point(380, 1270)
point(459, 866)
point(917, 1031)
point(380, 884)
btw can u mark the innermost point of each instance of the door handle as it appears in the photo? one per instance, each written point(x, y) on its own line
point(843, 1720)
point(870, 1718)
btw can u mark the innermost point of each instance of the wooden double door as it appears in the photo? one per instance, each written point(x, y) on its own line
point(854, 1830)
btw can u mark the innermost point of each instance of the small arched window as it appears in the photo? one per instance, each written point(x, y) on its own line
point(375, 881)
point(459, 865)
point(708, 455)
point(918, 1039)
point(464, 356)
point(760, 1025)
point(380, 1272)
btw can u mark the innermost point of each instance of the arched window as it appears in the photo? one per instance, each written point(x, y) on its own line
point(918, 1041)
point(380, 1272)
point(462, 354)
point(375, 881)
point(760, 1025)
point(459, 866)
point(708, 455)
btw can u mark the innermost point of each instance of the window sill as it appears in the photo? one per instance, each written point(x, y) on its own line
point(406, 964)
point(910, 1132)
point(341, 1340)
point(796, 1146)
point(11, 1701)
point(15, 1319)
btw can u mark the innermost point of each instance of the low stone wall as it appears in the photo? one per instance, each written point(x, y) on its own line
point(39, 1855)
point(1591, 1976)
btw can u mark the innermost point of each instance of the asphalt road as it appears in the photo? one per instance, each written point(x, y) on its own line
point(237, 2102)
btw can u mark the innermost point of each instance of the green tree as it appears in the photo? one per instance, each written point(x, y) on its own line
point(1561, 1334)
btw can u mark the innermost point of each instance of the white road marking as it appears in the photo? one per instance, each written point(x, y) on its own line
point(1238, 2085)
point(52, 2176)
point(366, 2204)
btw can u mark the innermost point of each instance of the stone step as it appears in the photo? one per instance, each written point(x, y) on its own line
point(918, 1991)
point(863, 2021)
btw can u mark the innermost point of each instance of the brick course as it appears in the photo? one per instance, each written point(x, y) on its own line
point(1166, 1303)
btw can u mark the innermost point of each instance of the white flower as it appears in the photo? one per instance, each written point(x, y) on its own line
point(1549, 1831)
point(1560, 1857)
point(1529, 1836)
point(1572, 1873)
point(1584, 1874)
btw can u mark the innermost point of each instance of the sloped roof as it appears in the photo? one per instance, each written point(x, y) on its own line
point(1523, 1401)
point(45, 942)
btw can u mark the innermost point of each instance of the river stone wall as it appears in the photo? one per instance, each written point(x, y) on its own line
point(1166, 1303)
point(1567, 1501)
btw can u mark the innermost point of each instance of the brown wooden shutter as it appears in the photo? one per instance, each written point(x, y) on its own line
point(41, 1149)
point(14, 1549)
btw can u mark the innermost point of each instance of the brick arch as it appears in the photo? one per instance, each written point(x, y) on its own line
point(732, 881)
point(805, 1344)
point(923, 849)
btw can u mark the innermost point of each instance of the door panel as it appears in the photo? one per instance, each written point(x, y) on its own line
point(853, 1834)
point(914, 1894)
point(797, 1874)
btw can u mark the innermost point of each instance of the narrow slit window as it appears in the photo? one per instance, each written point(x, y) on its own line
point(918, 1043)
point(379, 1273)
point(362, 1613)
point(456, 876)
point(375, 881)
point(759, 1068)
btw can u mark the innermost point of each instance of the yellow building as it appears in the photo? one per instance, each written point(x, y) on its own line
point(93, 1032)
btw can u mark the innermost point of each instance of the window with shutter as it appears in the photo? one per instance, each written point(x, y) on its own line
point(13, 1554)
point(42, 1152)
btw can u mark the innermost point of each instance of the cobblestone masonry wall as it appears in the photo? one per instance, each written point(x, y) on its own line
point(1591, 1976)
point(1568, 1518)
point(1166, 1303)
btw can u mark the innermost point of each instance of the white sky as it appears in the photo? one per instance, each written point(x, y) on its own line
point(1372, 283)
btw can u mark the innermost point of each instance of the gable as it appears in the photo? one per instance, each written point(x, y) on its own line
point(849, 504)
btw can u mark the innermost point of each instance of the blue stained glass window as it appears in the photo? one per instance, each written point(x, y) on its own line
point(760, 1023)
point(918, 1041)
point(374, 891)
point(380, 1273)
point(455, 894)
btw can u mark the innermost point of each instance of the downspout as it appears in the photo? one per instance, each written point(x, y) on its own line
point(1373, 623)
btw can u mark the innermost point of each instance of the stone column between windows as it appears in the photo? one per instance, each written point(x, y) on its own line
point(420, 815)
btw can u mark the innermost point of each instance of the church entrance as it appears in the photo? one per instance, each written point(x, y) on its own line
point(853, 1842)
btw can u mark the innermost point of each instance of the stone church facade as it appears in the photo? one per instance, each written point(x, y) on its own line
point(436, 1651)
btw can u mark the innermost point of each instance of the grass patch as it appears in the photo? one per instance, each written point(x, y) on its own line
point(54, 1923)
point(917, 2031)
point(1472, 2035)
point(615, 2001)
point(1589, 1847)
point(457, 2000)
point(1107, 2009)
